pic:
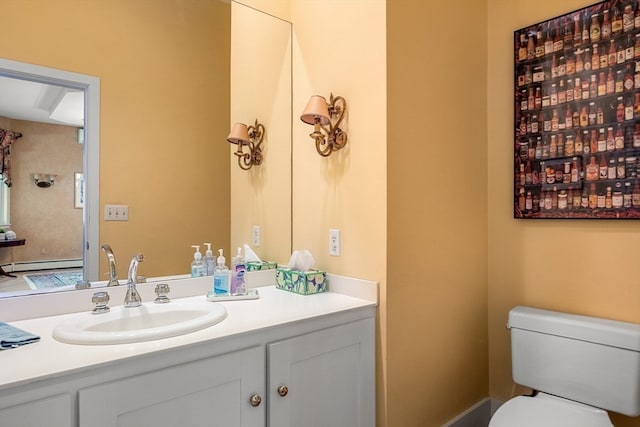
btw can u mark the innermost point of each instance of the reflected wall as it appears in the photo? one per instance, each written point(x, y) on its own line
point(45, 217)
point(261, 89)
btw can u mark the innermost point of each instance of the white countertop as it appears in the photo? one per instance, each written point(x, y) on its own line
point(275, 307)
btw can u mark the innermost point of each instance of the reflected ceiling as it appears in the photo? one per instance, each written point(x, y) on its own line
point(38, 102)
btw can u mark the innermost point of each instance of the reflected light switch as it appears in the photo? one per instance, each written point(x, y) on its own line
point(116, 212)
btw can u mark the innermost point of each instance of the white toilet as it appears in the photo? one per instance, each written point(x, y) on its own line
point(580, 366)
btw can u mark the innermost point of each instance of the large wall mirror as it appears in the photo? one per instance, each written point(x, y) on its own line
point(261, 89)
point(259, 197)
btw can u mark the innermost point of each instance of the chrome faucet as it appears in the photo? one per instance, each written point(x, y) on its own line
point(132, 298)
point(113, 273)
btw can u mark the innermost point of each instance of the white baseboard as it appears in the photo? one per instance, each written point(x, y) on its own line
point(42, 265)
point(477, 415)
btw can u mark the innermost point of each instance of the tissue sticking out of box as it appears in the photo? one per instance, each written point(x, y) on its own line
point(250, 255)
point(253, 261)
point(301, 260)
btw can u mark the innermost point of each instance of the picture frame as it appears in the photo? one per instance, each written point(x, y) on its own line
point(78, 199)
point(577, 115)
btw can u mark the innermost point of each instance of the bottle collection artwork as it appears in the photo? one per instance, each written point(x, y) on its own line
point(577, 114)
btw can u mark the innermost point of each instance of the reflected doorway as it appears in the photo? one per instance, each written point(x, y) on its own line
point(57, 115)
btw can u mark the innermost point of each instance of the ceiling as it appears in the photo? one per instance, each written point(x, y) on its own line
point(37, 102)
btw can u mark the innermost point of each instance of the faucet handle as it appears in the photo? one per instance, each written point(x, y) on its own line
point(100, 299)
point(83, 284)
point(162, 289)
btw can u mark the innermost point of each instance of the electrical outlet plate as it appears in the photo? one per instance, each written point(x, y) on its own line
point(116, 212)
point(334, 242)
point(255, 235)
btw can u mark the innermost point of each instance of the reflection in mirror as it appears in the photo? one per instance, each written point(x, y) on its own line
point(264, 196)
point(52, 222)
point(261, 89)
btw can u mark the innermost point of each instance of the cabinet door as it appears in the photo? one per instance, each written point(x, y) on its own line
point(47, 412)
point(213, 392)
point(329, 376)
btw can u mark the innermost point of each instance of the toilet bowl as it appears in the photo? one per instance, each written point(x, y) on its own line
point(545, 410)
point(580, 367)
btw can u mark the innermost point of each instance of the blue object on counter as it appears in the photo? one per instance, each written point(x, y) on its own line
point(12, 337)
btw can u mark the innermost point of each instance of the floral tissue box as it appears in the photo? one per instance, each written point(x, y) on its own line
point(301, 282)
point(263, 265)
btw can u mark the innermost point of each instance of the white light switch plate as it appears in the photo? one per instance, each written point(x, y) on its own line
point(116, 212)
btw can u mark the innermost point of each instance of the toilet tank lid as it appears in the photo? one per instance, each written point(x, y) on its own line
point(592, 329)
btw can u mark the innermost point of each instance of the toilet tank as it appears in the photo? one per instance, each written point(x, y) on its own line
point(586, 359)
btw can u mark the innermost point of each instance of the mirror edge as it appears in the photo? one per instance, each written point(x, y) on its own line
point(91, 87)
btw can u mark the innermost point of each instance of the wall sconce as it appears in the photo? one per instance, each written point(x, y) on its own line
point(326, 117)
point(44, 180)
point(250, 137)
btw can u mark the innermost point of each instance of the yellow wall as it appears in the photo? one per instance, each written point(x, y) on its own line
point(164, 71)
point(437, 210)
point(339, 48)
point(587, 267)
point(346, 190)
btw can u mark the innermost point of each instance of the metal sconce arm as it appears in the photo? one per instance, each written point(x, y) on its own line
point(333, 138)
point(254, 144)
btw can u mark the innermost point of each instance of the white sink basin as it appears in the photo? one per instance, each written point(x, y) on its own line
point(145, 323)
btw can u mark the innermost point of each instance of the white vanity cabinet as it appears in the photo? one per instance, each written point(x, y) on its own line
point(281, 361)
point(214, 392)
point(41, 412)
point(324, 378)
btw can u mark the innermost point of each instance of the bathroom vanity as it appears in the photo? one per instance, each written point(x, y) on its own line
point(283, 360)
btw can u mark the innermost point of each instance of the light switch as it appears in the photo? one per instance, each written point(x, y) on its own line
point(116, 212)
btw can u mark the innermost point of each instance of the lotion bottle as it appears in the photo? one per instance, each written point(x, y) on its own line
point(197, 267)
point(221, 276)
point(237, 274)
point(209, 261)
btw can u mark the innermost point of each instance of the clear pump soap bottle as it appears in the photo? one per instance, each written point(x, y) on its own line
point(221, 276)
point(209, 261)
point(197, 267)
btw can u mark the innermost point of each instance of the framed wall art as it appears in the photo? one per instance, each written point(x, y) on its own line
point(577, 114)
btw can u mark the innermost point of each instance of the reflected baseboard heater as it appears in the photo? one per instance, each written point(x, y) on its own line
point(51, 264)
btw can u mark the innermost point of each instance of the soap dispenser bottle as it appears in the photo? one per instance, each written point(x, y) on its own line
point(209, 261)
point(221, 276)
point(237, 274)
point(197, 267)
